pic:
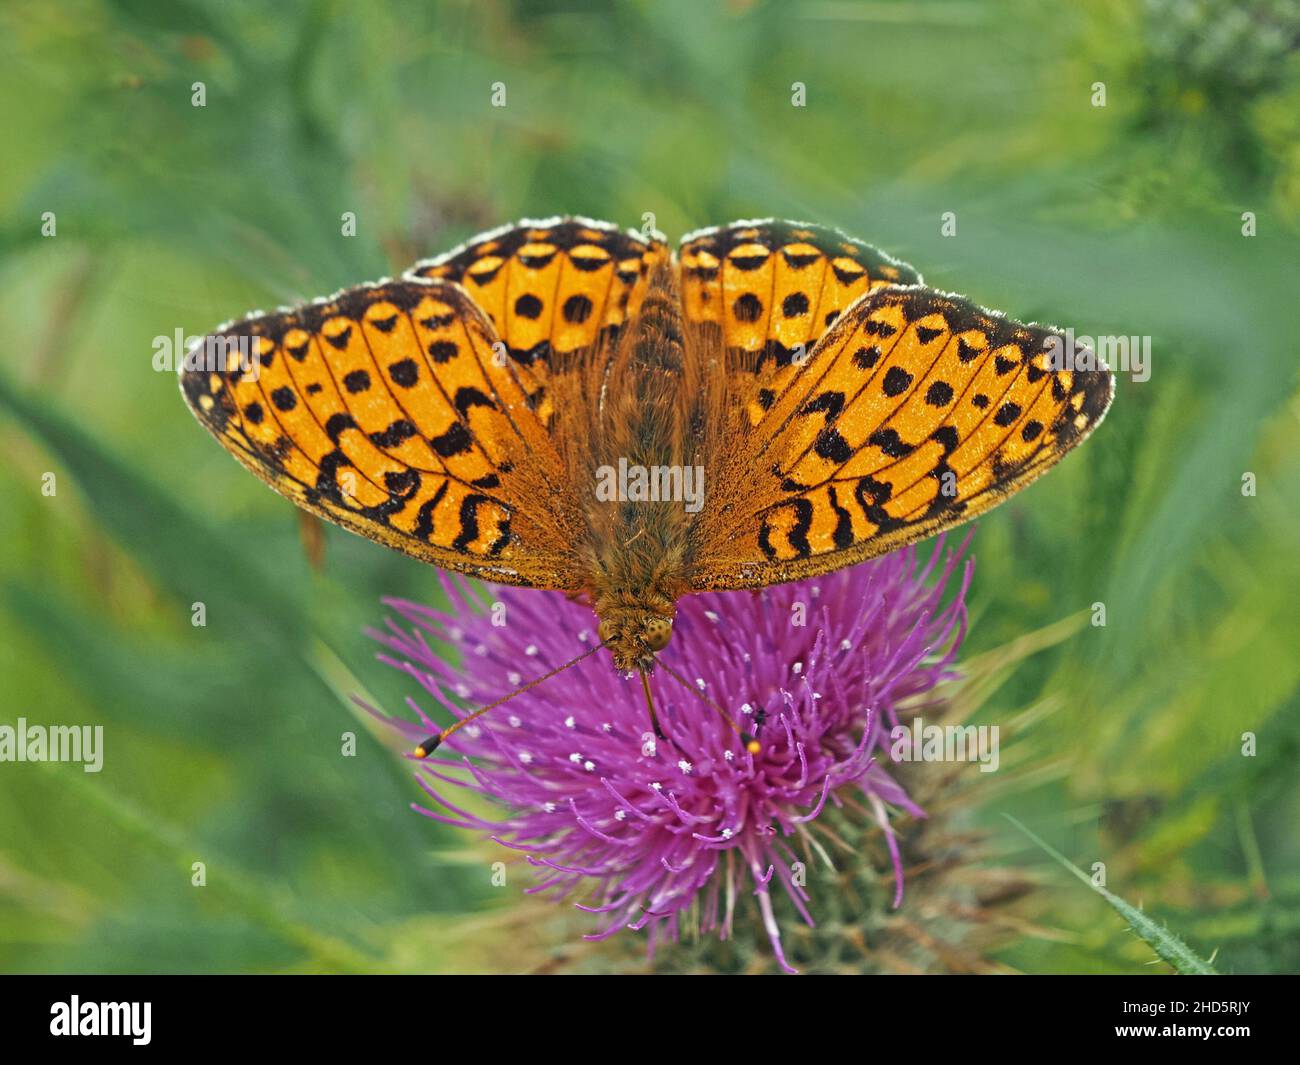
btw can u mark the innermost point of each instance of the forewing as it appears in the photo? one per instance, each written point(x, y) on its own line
point(383, 409)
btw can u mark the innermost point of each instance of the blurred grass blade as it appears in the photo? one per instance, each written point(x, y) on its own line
point(1161, 940)
point(187, 557)
point(266, 904)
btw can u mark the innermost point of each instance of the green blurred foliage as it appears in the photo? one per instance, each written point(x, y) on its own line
point(223, 742)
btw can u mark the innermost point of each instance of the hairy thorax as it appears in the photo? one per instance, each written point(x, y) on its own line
point(635, 631)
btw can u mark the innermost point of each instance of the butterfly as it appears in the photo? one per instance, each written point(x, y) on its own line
point(565, 405)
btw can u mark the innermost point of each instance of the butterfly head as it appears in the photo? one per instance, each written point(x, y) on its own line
point(634, 637)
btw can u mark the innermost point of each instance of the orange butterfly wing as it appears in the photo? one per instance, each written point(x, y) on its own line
point(382, 409)
point(915, 412)
point(767, 291)
point(552, 289)
point(416, 412)
point(862, 416)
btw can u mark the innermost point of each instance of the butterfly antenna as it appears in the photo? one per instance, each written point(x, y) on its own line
point(747, 738)
point(436, 740)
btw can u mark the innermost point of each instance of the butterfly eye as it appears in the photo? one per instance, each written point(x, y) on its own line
point(658, 631)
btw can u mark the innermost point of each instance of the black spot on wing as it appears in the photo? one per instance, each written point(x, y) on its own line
point(830, 403)
point(577, 309)
point(947, 436)
point(866, 357)
point(939, 394)
point(747, 308)
point(405, 372)
point(336, 425)
point(794, 305)
point(455, 441)
point(539, 352)
point(327, 484)
point(528, 306)
point(872, 495)
point(832, 446)
point(1007, 413)
point(340, 339)
point(424, 517)
point(897, 380)
point(890, 443)
point(803, 516)
point(469, 531)
point(843, 535)
point(398, 431)
point(468, 396)
point(402, 484)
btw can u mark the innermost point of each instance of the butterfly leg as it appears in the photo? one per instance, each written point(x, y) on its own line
point(650, 704)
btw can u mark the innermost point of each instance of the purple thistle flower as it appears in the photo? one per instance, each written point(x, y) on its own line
point(641, 829)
